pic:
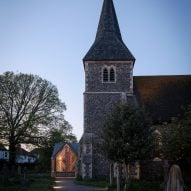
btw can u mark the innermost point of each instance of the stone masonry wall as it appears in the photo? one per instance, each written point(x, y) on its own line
point(97, 108)
point(94, 78)
point(99, 101)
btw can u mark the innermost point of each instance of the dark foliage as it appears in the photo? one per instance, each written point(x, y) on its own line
point(176, 137)
point(127, 135)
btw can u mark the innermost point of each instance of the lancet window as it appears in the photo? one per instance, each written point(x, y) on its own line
point(108, 74)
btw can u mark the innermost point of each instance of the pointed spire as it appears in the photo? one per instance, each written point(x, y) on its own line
point(108, 21)
point(108, 43)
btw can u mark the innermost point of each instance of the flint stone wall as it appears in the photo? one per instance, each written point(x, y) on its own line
point(99, 101)
point(94, 78)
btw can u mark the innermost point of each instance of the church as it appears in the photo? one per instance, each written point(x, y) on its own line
point(109, 80)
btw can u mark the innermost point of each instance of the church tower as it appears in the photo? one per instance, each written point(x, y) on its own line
point(108, 69)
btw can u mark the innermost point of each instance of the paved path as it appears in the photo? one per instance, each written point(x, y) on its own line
point(67, 184)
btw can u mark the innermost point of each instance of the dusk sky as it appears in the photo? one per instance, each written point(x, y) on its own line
point(50, 38)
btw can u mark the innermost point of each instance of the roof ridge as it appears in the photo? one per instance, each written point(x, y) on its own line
point(58, 146)
point(166, 75)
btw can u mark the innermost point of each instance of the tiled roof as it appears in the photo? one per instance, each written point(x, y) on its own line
point(163, 96)
point(75, 147)
point(56, 148)
point(108, 44)
point(2, 148)
point(59, 146)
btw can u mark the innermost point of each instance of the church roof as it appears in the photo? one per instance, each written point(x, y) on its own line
point(163, 96)
point(108, 44)
point(59, 146)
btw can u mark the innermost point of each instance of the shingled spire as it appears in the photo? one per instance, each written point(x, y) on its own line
point(108, 44)
point(108, 21)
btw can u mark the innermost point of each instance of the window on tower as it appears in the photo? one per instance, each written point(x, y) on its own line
point(105, 75)
point(108, 74)
point(112, 75)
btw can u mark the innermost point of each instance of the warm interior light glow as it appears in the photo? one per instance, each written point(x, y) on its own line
point(58, 187)
point(65, 161)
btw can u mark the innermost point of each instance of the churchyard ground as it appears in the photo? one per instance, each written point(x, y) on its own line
point(31, 183)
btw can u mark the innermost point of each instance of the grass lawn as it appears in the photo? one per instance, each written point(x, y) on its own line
point(141, 185)
point(135, 185)
point(34, 184)
point(96, 183)
point(40, 184)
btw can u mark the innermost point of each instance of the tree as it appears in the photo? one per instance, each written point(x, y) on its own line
point(29, 106)
point(176, 142)
point(127, 136)
point(62, 133)
point(176, 137)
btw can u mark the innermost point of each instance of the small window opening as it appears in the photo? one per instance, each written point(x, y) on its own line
point(112, 75)
point(105, 75)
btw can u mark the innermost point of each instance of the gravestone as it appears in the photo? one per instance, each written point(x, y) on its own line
point(175, 181)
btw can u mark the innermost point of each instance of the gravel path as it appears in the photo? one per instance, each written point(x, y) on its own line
point(67, 184)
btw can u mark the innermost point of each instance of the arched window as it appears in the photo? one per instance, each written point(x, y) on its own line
point(109, 74)
point(112, 75)
point(105, 75)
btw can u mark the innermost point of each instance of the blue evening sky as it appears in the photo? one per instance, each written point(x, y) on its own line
point(50, 37)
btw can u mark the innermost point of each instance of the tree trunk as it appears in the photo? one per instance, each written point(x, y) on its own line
point(12, 152)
